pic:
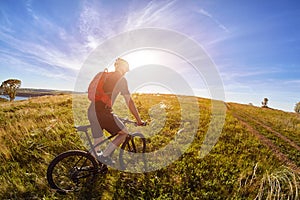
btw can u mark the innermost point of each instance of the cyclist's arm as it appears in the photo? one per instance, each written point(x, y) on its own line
point(132, 108)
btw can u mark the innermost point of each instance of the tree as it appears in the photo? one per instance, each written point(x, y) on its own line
point(10, 87)
point(265, 102)
point(297, 107)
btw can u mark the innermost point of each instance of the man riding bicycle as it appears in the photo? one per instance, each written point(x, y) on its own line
point(100, 112)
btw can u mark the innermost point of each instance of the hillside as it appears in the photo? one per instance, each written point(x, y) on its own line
point(278, 130)
point(257, 154)
point(29, 92)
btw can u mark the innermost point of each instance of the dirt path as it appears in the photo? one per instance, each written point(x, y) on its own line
point(293, 144)
point(281, 156)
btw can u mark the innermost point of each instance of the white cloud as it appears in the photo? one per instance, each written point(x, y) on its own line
point(154, 14)
point(205, 13)
point(96, 23)
point(52, 48)
point(210, 16)
point(58, 47)
point(295, 81)
point(46, 43)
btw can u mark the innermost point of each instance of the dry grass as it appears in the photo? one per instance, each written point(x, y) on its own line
point(282, 183)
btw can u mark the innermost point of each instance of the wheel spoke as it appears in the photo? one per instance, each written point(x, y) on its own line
point(71, 170)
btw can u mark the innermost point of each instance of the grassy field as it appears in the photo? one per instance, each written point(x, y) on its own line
point(257, 154)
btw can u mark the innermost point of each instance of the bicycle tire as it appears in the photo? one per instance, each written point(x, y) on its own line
point(132, 153)
point(71, 170)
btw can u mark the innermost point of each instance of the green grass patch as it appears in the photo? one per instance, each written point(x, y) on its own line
point(34, 131)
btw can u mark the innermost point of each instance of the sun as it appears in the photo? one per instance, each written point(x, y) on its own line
point(143, 57)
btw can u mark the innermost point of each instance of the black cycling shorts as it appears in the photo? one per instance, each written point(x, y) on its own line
point(102, 118)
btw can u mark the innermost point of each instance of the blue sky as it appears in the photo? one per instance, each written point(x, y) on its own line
point(255, 45)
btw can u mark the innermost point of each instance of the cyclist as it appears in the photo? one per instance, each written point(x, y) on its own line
point(101, 116)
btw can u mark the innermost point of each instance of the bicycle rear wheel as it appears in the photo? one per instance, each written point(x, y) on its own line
point(71, 170)
point(132, 153)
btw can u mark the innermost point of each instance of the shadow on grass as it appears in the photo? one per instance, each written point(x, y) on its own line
point(94, 189)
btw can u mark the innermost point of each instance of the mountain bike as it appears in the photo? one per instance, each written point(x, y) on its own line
point(74, 169)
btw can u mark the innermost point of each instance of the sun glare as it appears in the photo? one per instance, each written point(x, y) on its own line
point(167, 65)
point(143, 57)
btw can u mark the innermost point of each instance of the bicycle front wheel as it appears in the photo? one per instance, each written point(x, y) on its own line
point(71, 170)
point(132, 153)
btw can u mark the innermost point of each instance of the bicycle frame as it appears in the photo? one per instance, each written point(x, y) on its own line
point(92, 146)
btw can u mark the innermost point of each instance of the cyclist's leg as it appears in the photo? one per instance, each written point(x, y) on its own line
point(120, 138)
point(97, 141)
point(95, 126)
point(114, 125)
point(97, 134)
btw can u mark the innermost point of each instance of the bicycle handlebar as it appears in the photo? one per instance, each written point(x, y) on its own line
point(127, 121)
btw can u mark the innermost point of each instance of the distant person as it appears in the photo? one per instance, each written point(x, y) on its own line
point(103, 91)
